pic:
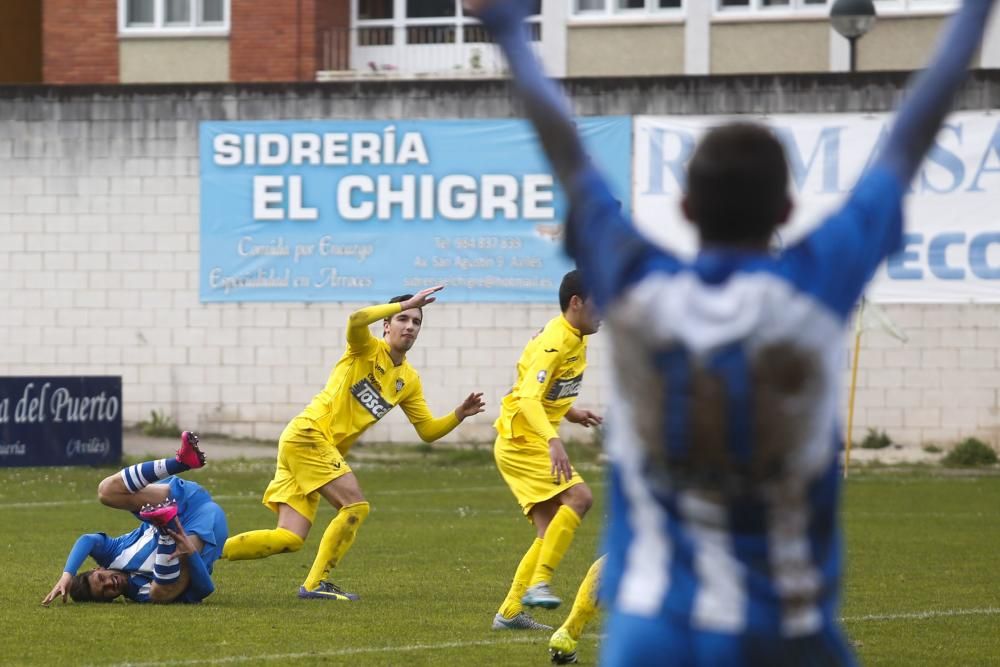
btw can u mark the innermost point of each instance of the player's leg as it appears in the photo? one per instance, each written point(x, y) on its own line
point(574, 502)
point(296, 508)
point(133, 487)
point(510, 615)
point(345, 494)
point(562, 644)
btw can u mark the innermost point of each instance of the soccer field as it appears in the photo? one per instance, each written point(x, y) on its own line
point(434, 560)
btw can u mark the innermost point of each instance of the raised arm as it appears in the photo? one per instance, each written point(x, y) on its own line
point(358, 335)
point(933, 91)
point(547, 107)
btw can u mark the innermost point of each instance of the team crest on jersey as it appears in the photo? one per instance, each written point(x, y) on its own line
point(370, 399)
point(565, 388)
point(399, 385)
point(541, 377)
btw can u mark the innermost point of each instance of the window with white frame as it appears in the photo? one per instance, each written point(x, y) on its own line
point(820, 6)
point(606, 8)
point(915, 6)
point(772, 5)
point(173, 17)
point(387, 22)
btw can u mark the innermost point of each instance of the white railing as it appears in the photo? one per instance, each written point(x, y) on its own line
point(416, 51)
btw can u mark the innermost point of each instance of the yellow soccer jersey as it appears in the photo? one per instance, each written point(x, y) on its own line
point(549, 371)
point(365, 385)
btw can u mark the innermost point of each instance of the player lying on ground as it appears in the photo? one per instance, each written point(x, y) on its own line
point(724, 545)
point(531, 457)
point(371, 378)
point(169, 557)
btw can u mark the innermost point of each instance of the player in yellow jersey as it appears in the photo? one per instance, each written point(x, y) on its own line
point(531, 457)
point(370, 379)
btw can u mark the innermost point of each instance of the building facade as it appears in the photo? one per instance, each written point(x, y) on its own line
point(184, 41)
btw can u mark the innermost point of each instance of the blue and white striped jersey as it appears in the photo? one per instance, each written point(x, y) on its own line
point(723, 435)
point(134, 553)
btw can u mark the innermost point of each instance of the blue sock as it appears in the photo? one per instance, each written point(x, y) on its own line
point(141, 475)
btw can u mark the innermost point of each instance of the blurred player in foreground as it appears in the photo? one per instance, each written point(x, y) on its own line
point(371, 378)
point(531, 456)
point(169, 557)
point(724, 544)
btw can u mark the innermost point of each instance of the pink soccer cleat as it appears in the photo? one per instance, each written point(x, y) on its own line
point(189, 454)
point(159, 515)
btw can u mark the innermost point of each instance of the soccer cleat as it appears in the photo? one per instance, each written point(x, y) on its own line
point(327, 591)
point(540, 595)
point(161, 514)
point(523, 621)
point(189, 454)
point(562, 647)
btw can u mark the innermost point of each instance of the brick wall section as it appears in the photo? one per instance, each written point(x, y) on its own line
point(99, 271)
point(274, 41)
point(80, 41)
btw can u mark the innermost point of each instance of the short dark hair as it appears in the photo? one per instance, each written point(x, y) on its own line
point(400, 299)
point(79, 588)
point(571, 285)
point(737, 184)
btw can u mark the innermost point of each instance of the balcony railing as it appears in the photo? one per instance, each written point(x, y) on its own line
point(411, 51)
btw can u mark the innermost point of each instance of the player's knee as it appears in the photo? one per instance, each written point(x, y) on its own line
point(580, 499)
point(106, 491)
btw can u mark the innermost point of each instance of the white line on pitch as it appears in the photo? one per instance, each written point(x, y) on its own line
point(916, 615)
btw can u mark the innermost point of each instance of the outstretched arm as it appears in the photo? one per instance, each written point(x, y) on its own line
point(932, 92)
point(82, 548)
point(547, 107)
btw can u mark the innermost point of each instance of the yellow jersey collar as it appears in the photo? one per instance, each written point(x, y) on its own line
point(565, 323)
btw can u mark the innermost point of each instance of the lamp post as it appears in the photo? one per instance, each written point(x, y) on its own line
point(853, 19)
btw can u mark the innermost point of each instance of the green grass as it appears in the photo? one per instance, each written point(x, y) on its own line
point(433, 562)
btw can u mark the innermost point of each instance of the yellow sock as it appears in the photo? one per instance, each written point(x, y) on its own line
point(337, 539)
point(260, 544)
point(585, 605)
point(512, 603)
point(555, 544)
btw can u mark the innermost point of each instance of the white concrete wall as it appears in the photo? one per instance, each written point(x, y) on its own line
point(99, 235)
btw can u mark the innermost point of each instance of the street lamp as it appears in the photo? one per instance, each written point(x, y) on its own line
point(853, 19)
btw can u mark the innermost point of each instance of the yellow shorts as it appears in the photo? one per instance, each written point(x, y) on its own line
point(527, 468)
point(306, 461)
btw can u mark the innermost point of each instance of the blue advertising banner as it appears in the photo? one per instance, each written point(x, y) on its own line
point(366, 210)
point(58, 421)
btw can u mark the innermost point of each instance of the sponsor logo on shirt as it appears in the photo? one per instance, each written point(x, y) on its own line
point(565, 388)
point(541, 377)
point(379, 369)
point(370, 399)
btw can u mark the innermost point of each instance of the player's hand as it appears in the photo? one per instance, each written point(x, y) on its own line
point(184, 545)
point(472, 405)
point(421, 298)
point(561, 469)
point(61, 589)
point(584, 418)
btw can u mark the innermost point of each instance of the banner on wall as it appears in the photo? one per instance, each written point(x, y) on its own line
point(60, 421)
point(366, 210)
point(952, 243)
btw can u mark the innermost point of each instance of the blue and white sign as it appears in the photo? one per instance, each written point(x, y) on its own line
point(952, 245)
point(59, 421)
point(366, 210)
